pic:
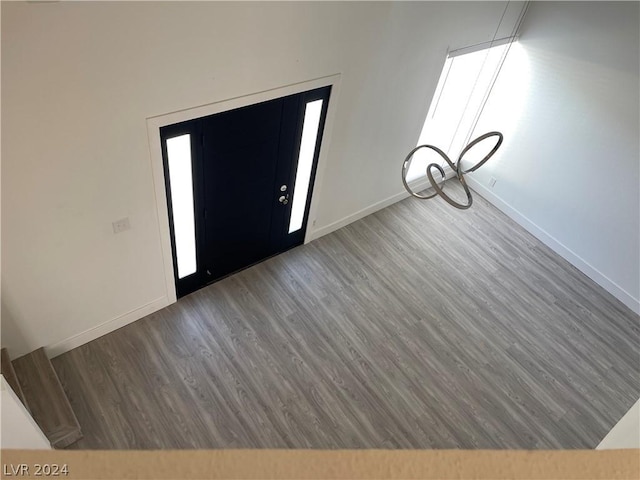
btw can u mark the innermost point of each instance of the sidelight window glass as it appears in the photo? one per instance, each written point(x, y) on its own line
point(181, 181)
point(305, 162)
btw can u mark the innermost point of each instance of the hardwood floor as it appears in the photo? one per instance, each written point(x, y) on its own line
point(420, 326)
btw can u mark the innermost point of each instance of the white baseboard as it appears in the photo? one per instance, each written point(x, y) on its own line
point(343, 222)
point(577, 261)
point(416, 186)
point(106, 327)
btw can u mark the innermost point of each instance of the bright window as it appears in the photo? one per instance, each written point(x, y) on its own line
point(305, 163)
point(465, 83)
point(179, 159)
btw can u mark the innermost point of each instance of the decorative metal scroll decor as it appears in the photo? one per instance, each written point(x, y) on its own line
point(456, 167)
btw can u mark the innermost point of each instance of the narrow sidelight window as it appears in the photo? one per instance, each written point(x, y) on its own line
point(180, 179)
point(305, 163)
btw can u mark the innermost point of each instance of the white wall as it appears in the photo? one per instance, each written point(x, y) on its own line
point(18, 429)
point(80, 79)
point(568, 101)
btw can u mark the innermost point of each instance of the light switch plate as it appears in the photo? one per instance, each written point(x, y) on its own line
point(121, 225)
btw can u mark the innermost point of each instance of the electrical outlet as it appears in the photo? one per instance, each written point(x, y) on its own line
point(492, 182)
point(121, 225)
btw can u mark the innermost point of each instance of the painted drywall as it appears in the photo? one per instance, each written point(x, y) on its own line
point(567, 101)
point(625, 433)
point(18, 429)
point(79, 80)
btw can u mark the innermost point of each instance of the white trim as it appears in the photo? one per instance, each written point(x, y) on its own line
point(106, 327)
point(153, 131)
point(162, 210)
point(481, 46)
point(572, 257)
point(316, 196)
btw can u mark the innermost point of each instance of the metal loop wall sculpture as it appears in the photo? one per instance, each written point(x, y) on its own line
point(438, 187)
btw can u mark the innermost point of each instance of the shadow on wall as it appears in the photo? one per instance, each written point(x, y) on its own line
point(13, 338)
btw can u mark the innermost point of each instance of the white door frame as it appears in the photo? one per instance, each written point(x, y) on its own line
point(157, 168)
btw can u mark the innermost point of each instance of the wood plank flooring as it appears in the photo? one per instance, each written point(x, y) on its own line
point(420, 326)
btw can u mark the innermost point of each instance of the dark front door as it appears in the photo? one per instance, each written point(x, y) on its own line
point(252, 172)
